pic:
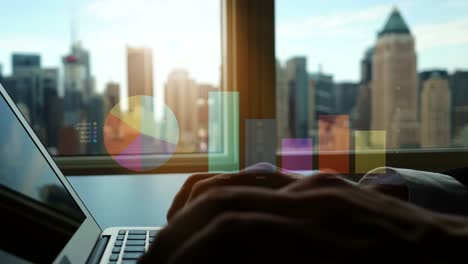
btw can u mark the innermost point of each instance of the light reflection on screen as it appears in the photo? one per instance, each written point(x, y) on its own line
point(23, 168)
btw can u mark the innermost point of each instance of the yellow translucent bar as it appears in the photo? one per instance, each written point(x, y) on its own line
point(370, 150)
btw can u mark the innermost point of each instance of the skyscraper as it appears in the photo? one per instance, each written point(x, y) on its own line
point(361, 116)
point(428, 74)
point(311, 104)
point(324, 87)
point(19, 89)
point(181, 94)
point(435, 112)
point(75, 82)
point(25, 62)
point(395, 84)
point(345, 96)
point(366, 66)
point(282, 108)
point(26, 89)
point(82, 56)
point(298, 86)
point(112, 96)
point(95, 116)
point(49, 79)
point(111, 100)
point(203, 115)
point(140, 71)
point(53, 111)
point(459, 87)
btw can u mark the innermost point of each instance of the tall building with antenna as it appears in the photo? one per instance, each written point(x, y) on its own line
point(78, 81)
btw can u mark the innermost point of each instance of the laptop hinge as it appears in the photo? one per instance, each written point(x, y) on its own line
point(98, 250)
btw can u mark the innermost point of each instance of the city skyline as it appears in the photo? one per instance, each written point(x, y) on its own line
point(335, 35)
point(299, 31)
point(107, 27)
point(389, 81)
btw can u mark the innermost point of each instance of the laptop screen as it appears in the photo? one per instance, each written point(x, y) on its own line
point(34, 200)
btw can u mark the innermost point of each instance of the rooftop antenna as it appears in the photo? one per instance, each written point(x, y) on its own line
point(73, 23)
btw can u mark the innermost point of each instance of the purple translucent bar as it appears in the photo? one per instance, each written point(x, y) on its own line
point(296, 153)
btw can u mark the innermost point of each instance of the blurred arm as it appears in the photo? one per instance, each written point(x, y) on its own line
point(434, 191)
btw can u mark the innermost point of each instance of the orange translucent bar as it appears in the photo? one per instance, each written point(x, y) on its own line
point(333, 143)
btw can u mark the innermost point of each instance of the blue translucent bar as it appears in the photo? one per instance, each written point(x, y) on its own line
point(260, 140)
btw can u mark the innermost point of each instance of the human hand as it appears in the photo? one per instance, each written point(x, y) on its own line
point(321, 219)
point(262, 175)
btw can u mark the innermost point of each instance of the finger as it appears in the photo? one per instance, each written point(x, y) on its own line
point(199, 213)
point(274, 180)
point(181, 197)
point(325, 204)
point(323, 208)
point(202, 211)
point(258, 237)
point(396, 191)
point(316, 181)
point(184, 192)
point(261, 175)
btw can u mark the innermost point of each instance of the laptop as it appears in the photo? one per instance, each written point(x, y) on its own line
point(46, 220)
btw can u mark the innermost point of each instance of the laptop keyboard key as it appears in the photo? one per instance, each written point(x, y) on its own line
point(136, 237)
point(114, 257)
point(118, 243)
point(116, 250)
point(153, 233)
point(137, 232)
point(120, 237)
point(132, 255)
point(135, 243)
point(133, 261)
point(134, 249)
point(122, 232)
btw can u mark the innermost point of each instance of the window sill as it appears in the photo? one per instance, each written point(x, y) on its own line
point(436, 160)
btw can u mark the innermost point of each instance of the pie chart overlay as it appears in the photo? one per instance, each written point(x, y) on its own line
point(137, 138)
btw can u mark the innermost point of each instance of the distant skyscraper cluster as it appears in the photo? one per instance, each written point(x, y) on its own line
point(425, 109)
point(428, 109)
point(67, 124)
point(189, 102)
point(54, 118)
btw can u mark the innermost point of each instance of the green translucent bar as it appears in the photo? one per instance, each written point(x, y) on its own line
point(370, 150)
point(223, 132)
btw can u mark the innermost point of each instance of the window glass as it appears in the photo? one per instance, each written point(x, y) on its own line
point(348, 69)
point(94, 77)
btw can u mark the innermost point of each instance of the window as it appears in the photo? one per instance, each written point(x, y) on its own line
point(341, 82)
point(389, 77)
point(78, 68)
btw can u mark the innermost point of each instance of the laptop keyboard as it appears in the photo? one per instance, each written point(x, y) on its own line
point(130, 245)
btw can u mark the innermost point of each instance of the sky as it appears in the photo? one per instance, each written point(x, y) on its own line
point(336, 34)
point(186, 34)
point(182, 34)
